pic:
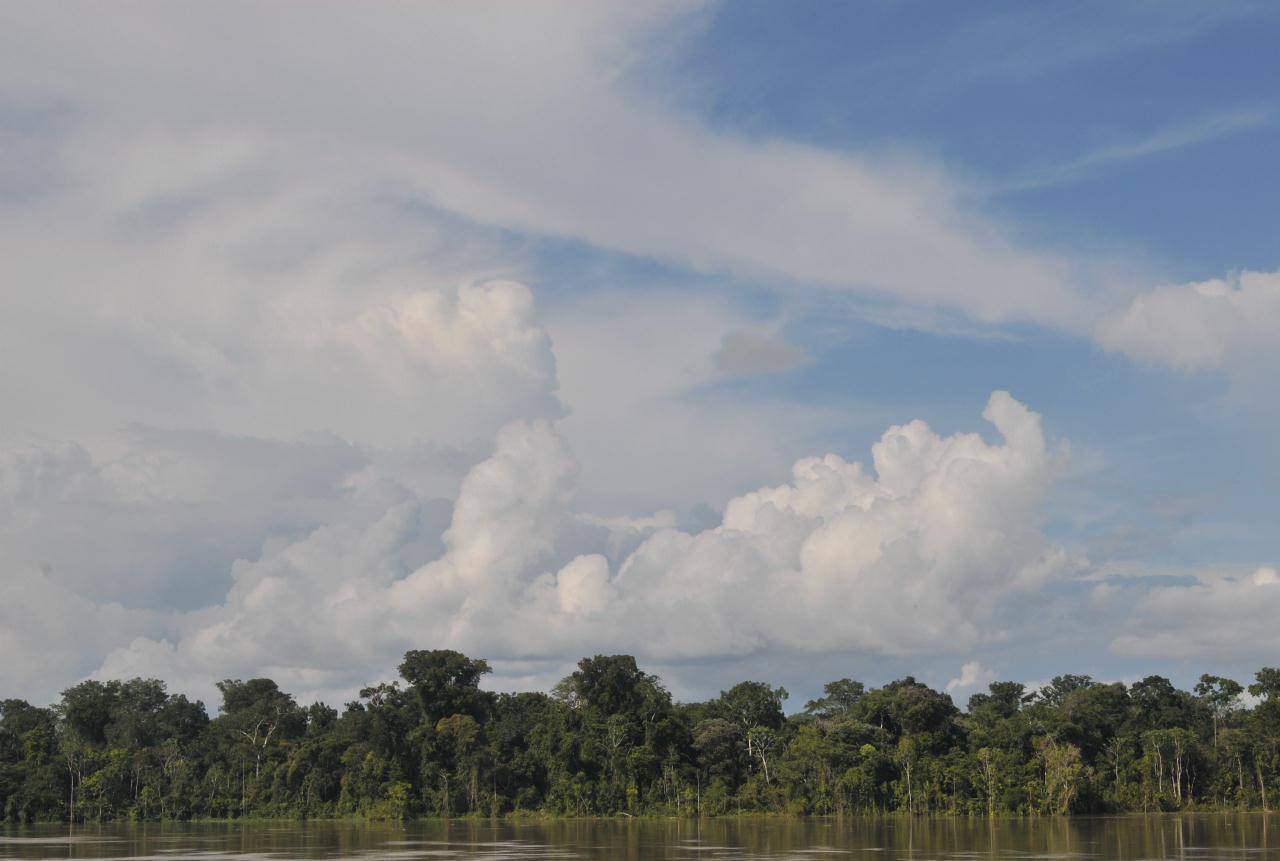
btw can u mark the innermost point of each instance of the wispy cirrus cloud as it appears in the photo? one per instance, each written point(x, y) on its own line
point(1167, 139)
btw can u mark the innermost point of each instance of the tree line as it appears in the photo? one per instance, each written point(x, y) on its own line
point(609, 739)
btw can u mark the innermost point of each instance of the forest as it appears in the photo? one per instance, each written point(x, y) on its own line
point(610, 740)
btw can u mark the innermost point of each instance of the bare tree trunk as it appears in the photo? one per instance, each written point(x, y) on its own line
point(1262, 785)
point(75, 770)
point(1177, 775)
point(991, 787)
point(911, 804)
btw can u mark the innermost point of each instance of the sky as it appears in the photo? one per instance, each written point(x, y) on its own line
point(758, 340)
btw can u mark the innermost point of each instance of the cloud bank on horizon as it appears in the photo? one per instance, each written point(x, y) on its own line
point(917, 558)
point(494, 327)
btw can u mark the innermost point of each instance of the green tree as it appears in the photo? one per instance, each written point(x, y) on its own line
point(446, 683)
point(839, 699)
point(261, 715)
point(1222, 695)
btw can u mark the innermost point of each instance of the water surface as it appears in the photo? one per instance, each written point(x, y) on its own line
point(1237, 837)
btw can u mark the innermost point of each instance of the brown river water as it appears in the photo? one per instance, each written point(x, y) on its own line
point(1185, 837)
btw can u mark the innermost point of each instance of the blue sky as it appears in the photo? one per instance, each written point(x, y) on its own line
point(492, 328)
point(1149, 129)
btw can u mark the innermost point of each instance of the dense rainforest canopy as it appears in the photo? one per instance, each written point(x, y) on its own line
point(609, 739)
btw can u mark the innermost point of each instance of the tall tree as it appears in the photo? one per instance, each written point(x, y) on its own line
point(1222, 695)
point(446, 682)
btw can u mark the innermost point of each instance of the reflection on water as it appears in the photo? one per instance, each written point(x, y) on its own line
point(1126, 838)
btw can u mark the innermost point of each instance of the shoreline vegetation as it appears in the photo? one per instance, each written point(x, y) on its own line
point(610, 742)
point(535, 817)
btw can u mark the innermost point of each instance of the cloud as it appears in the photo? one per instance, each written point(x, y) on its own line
point(843, 560)
point(305, 243)
point(646, 418)
point(749, 353)
point(973, 676)
point(914, 559)
point(1230, 616)
point(51, 636)
point(158, 524)
point(561, 128)
point(265, 319)
point(1163, 140)
point(229, 288)
point(481, 326)
point(1219, 324)
point(338, 604)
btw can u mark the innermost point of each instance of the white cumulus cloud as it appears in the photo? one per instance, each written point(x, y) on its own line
point(914, 557)
point(1203, 325)
point(973, 677)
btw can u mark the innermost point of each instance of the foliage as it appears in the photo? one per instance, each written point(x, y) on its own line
point(609, 739)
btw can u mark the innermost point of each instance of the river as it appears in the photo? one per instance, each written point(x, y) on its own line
point(1185, 837)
